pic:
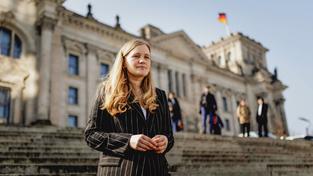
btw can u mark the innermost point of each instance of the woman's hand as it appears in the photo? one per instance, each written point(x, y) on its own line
point(142, 143)
point(161, 142)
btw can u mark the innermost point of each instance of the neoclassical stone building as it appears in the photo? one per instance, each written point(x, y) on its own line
point(52, 59)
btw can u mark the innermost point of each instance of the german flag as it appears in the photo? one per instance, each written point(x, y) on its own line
point(222, 18)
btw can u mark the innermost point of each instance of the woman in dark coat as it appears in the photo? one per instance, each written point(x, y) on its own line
point(130, 123)
point(175, 113)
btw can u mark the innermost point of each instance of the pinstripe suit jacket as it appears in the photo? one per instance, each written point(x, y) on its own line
point(111, 136)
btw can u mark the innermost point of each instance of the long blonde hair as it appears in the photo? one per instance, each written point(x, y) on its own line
point(115, 90)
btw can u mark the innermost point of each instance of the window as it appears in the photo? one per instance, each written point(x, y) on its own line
point(170, 79)
point(73, 65)
point(227, 124)
point(72, 96)
point(184, 84)
point(225, 104)
point(5, 36)
point(17, 47)
point(10, 43)
point(4, 105)
point(177, 84)
point(104, 69)
point(72, 121)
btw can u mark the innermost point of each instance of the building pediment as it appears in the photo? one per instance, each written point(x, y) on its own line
point(180, 45)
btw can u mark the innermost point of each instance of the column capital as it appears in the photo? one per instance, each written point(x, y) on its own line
point(90, 48)
point(46, 22)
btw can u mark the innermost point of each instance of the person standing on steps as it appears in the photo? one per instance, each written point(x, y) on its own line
point(244, 115)
point(208, 107)
point(261, 117)
point(175, 111)
point(130, 122)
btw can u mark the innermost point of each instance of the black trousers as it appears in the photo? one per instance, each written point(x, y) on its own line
point(245, 127)
point(263, 127)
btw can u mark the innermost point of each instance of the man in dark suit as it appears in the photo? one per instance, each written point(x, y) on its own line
point(261, 117)
point(208, 106)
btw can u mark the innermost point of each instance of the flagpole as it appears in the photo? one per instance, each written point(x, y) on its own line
point(223, 19)
point(227, 29)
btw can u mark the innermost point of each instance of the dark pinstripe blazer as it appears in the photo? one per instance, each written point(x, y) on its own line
point(111, 136)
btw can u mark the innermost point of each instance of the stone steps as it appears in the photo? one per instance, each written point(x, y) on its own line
point(41, 160)
point(54, 151)
point(50, 154)
point(52, 174)
point(48, 168)
point(216, 155)
point(235, 161)
point(48, 151)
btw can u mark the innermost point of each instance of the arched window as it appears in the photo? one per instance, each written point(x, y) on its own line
point(10, 43)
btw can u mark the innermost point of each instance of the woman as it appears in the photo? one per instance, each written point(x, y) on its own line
point(175, 113)
point(130, 122)
point(244, 113)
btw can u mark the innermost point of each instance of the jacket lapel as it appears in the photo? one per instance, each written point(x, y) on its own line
point(137, 108)
point(150, 118)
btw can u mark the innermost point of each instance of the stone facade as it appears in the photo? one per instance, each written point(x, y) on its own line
point(38, 82)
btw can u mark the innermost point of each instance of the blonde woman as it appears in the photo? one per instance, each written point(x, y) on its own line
point(130, 123)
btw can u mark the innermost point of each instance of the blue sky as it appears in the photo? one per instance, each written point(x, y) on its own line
point(285, 27)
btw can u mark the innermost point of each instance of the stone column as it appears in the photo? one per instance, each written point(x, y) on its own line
point(189, 87)
point(178, 86)
point(218, 97)
point(18, 105)
point(46, 25)
point(173, 80)
point(92, 77)
point(158, 81)
point(164, 78)
point(283, 116)
point(155, 74)
point(251, 101)
point(234, 114)
point(272, 113)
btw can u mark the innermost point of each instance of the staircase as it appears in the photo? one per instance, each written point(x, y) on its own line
point(54, 151)
point(45, 151)
point(199, 155)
